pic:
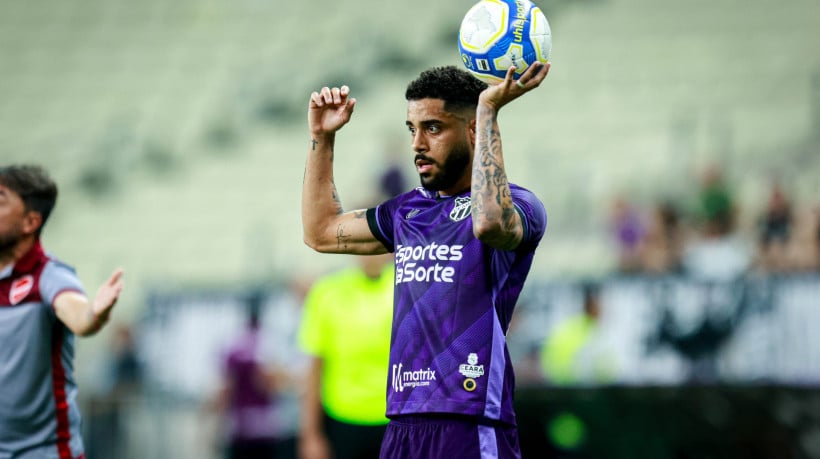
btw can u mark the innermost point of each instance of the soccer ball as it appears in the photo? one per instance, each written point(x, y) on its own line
point(496, 34)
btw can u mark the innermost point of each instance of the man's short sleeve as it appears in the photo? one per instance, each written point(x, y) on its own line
point(380, 220)
point(57, 278)
point(533, 215)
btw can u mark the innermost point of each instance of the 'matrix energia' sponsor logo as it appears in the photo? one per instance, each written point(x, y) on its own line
point(416, 378)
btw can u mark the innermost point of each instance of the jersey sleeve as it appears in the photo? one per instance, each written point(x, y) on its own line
point(533, 215)
point(57, 278)
point(380, 220)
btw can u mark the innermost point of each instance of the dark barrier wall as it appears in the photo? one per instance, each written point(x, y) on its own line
point(672, 331)
point(672, 368)
point(669, 422)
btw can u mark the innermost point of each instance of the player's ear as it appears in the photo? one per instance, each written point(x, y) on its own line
point(472, 130)
point(32, 220)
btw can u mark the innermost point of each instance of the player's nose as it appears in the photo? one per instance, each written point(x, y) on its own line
point(418, 143)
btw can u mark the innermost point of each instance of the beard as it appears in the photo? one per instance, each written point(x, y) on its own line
point(9, 240)
point(451, 171)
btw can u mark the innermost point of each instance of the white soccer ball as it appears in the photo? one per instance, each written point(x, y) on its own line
point(497, 34)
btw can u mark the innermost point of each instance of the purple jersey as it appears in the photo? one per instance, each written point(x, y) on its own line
point(454, 297)
point(251, 411)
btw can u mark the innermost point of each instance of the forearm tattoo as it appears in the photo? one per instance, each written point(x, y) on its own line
point(314, 145)
point(490, 185)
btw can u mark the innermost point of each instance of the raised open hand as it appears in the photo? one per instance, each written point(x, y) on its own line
point(107, 295)
point(510, 89)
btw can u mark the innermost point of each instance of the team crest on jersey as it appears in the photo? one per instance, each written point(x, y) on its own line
point(20, 288)
point(461, 209)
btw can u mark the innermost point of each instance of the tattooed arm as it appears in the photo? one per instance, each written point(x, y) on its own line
point(326, 227)
point(495, 220)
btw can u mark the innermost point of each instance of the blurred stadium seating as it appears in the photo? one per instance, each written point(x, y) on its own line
point(177, 129)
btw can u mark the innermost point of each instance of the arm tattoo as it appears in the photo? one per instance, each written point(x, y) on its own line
point(337, 200)
point(490, 184)
point(315, 143)
point(342, 239)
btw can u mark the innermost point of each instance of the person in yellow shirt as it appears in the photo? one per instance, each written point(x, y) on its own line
point(345, 330)
point(561, 355)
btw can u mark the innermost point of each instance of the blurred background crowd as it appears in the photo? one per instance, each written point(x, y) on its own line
point(676, 147)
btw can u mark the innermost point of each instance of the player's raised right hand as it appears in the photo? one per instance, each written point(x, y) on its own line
point(329, 110)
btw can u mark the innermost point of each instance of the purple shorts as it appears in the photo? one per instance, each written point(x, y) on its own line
point(444, 437)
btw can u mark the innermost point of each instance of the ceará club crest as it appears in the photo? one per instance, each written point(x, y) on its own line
point(461, 209)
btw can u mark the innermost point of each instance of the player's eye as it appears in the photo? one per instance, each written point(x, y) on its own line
point(411, 130)
point(434, 129)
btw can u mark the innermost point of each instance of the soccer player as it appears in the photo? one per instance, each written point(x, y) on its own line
point(42, 307)
point(463, 242)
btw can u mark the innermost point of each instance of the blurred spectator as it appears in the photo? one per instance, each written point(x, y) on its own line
point(392, 179)
point(346, 330)
point(662, 245)
point(716, 203)
point(774, 228)
point(816, 224)
point(248, 394)
point(569, 354)
point(717, 253)
point(627, 231)
point(107, 426)
point(803, 252)
point(126, 374)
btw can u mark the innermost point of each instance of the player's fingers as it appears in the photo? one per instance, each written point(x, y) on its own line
point(531, 71)
point(534, 75)
point(344, 93)
point(326, 96)
point(316, 99)
point(543, 70)
point(115, 276)
point(337, 97)
point(510, 76)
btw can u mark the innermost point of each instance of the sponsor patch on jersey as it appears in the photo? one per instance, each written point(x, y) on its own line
point(20, 288)
point(411, 214)
point(471, 369)
point(461, 209)
point(401, 379)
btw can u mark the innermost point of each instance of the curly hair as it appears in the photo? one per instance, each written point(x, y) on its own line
point(34, 186)
point(456, 87)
